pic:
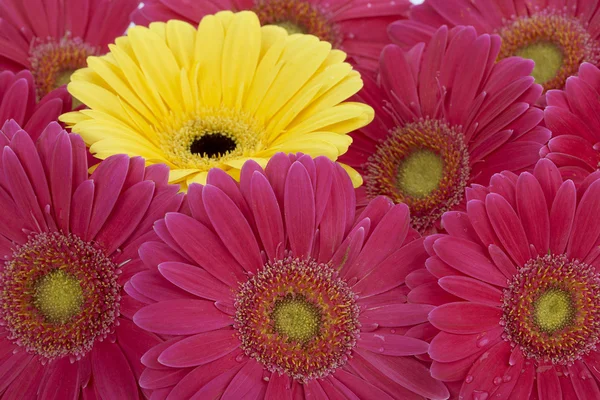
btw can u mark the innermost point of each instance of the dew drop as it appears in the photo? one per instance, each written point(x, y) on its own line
point(480, 395)
point(239, 358)
point(381, 349)
point(506, 378)
point(469, 379)
point(497, 380)
point(482, 342)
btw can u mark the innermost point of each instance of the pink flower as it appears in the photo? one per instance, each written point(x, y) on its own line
point(273, 288)
point(358, 27)
point(521, 316)
point(447, 116)
point(54, 38)
point(18, 102)
point(572, 115)
point(559, 35)
point(68, 243)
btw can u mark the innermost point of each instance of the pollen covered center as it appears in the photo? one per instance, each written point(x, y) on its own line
point(296, 318)
point(548, 58)
point(425, 165)
point(420, 173)
point(556, 42)
point(58, 296)
point(553, 310)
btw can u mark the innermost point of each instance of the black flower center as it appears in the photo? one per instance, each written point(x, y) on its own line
point(213, 145)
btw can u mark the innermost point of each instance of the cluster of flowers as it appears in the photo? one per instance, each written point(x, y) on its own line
point(299, 199)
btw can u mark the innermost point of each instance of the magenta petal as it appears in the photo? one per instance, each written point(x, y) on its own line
point(394, 315)
point(472, 290)
point(586, 226)
point(27, 383)
point(151, 285)
point(267, 215)
point(204, 247)
point(61, 380)
point(232, 227)
point(181, 317)
point(533, 211)
point(386, 237)
point(493, 363)
point(195, 280)
point(562, 215)
point(392, 271)
point(113, 376)
point(313, 390)
point(409, 373)
point(215, 388)
point(391, 344)
point(583, 382)
point(247, 384)
point(508, 227)
point(200, 349)
point(200, 376)
point(153, 379)
point(81, 208)
point(279, 387)
point(61, 180)
point(360, 387)
point(299, 210)
point(449, 347)
point(548, 384)
point(464, 318)
point(469, 258)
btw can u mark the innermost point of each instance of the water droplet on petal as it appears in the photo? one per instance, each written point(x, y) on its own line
point(482, 342)
point(497, 380)
point(469, 379)
point(480, 395)
point(507, 378)
point(239, 358)
point(381, 349)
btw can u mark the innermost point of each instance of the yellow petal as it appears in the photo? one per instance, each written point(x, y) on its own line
point(356, 178)
point(181, 39)
point(208, 53)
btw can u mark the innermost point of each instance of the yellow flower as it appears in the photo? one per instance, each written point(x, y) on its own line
point(217, 96)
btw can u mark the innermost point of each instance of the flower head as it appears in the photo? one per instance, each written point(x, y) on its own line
point(357, 27)
point(521, 314)
point(217, 96)
point(571, 116)
point(558, 36)
point(447, 116)
point(274, 285)
point(52, 40)
point(68, 244)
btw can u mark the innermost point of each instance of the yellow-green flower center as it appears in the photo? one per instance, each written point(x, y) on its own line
point(556, 42)
point(58, 296)
point(553, 310)
point(296, 318)
point(548, 58)
point(290, 27)
point(420, 173)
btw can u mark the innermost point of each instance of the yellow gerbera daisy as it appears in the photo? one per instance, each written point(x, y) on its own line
point(217, 96)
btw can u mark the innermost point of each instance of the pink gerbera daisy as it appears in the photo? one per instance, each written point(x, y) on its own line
point(18, 102)
point(559, 35)
point(52, 39)
point(358, 27)
point(573, 116)
point(523, 262)
point(273, 289)
point(447, 115)
point(68, 244)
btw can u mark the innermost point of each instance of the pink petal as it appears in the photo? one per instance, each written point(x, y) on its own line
point(81, 208)
point(361, 388)
point(448, 347)
point(562, 215)
point(472, 290)
point(279, 387)
point(232, 227)
point(113, 376)
point(181, 317)
point(313, 390)
point(533, 210)
point(204, 247)
point(548, 385)
point(453, 371)
point(392, 271)
point(27, 383)
point(217, 386)
point(464, 318)
point(392, 344)
point(61, 380)
point(586, 227)
point(584, 383)
point(247, 383)
point(151, 285)
point(200, 349)
point(153, 379)
point(394, 315)
point(508, 227)
point(299, 210)
point(491, 365)
point(469, 258)
point(409, 373)
point(195, 280)
point(267, 215)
